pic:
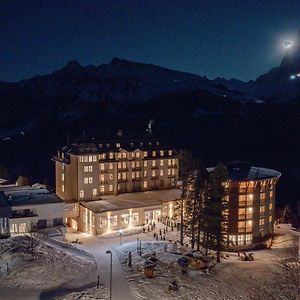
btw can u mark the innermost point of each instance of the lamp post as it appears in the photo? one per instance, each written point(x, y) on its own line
point(110, 281)
point(120, 232)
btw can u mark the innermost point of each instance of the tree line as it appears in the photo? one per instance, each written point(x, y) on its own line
point(202, 209)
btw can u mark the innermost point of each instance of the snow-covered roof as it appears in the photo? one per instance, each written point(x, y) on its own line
point(27, 195)
point(132, 200)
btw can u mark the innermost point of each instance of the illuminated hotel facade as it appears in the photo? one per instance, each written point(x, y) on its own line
point(250, 209)
point(110, 185)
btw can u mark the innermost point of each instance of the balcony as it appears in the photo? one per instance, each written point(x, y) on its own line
point(154, 167)
point(24, 214)
point(137, 179)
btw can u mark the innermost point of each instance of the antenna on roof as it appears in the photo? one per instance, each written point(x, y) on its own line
point(149, 129)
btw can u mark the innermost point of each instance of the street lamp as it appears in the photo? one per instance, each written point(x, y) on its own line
point(110, 282)
point(120, 231)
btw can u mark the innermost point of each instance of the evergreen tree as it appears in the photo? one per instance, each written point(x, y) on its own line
point(214, 211)
point(187, 165)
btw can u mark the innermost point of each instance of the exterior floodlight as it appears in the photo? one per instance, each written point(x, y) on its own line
point(287, 44)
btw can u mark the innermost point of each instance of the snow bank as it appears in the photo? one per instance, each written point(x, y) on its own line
point(56, 263)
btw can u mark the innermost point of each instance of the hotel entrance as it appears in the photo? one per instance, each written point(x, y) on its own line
point(152, 215)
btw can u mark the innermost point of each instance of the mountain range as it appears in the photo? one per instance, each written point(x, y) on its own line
point(220, 119)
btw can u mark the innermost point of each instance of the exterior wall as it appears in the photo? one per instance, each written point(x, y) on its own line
point(251, 212)
point(38, 215)
point(101, 223)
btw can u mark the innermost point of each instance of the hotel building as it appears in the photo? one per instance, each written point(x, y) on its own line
point(251, 205)
point(115, 184)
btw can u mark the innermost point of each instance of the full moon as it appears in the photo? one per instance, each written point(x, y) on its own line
point(287, 44)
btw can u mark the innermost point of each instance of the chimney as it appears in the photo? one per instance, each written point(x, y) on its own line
point(120, 132)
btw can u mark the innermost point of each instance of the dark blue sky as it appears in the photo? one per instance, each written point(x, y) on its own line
point(239, 39)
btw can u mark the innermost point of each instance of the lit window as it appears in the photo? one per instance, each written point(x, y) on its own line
point(111, 176)
point(262, 209)
point(153, 153)
point(125, 219)
point(270, 206)
point(133, 175)
point(270, 219)
point(86, 180)
point(63, 177)
point(102, 167)
point(118, 145)
point(170, 152)
point(161, 172)
point(145, 173)
point(124, 165)
point(169, 172)
point(133, 164)
point(271, 194)
point(102, 222)
point(86, 158)
point(137, 164)
point(145, 184)
point(161, 153)
point(81, 194)
point(90, 158)
point(90, 179)
point(137, 174)
point(94, 158)
point(161, 162)
point(135, 218)
point(261, 222)
point(94, 192)
point(63, 188)
point(137, 154)
point(124, 155)
point(119, 165)
point(124, 175)
point(133, 154)
point(153, 173)
point(113, 220)
point(169, 162)
point(111, 155)
point(111, 166)
point(119, 175)
point(90, 168)
point(145, 163)
point(102, 188)
point(63, 166)
point(173, 162)
point(173, 172)
point(101, 177)
point(81, 158)
point(110, 188)
point(153, 163)
point(145, 154)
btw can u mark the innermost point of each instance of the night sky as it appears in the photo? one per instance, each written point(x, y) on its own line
point(231, 39)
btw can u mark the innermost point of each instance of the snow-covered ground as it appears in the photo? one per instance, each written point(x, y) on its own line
point(87, 294)
point(56, 263)
point(231, 279)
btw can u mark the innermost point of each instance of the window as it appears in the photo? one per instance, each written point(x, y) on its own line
point(169, 162)
point(270, 218)
point(173, 172)
point(111, 155)
point(153, 153)
point(81, 194)
point(133, 164)
point(111, 176)
point(113, 220)
point(124, 175)
point(145, 184)
point(133, 175)
point(124, 165)
point(102, 167)
point(138, 175)
point(137, 154)
point(119, 175)
point(161, 162)
point(170, 152)
point(124, 219)
point(119, 165)
point(107, 145)
point(242, 213)
point(271, 194)
point(153, 173)
point(270, 206)
point(90, 158)
point(90, 168)
point(138, 164)
point(145, 173)
point(145, 154)
point(243, 187)
point(94, 158)
point(102, 178)
point(145, 163)
point(169, 172)
point(118, 145)
point(63, 166)
point(135, 218)
point(262, 209)
point(261, 222)
point(153, 163)
point(102, 190)
point(58, 221)
point(124, 155)
point(90, 180)
point(81, 158)
point(63, 188)
point(161, 152)
point(94, 192)
point(86, 180)
point(161, 172)
point(111, 166)
point(110, 188)
point(86, 158)
point(102, 222)
point(62, 177)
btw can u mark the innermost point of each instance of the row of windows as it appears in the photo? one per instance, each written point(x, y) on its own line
point(112, 221)
point(118, 145)
point(248, 186)
point(122, 155)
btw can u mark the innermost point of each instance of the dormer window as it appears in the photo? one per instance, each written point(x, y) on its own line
point(118, 145)
point(150, 144)
point(131, 144)
point(107, 145)
point(141, 144)
point(157, 143)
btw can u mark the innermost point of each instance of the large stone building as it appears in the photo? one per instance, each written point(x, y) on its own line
point(251, 205)
point(91, 178)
